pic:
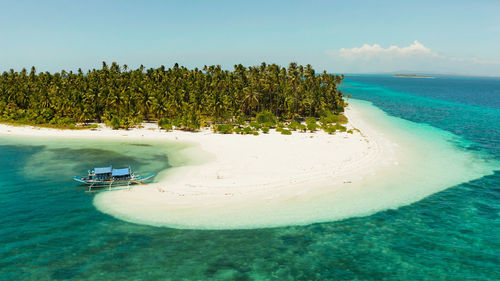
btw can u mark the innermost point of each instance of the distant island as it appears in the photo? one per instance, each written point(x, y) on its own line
point(246, 100)
point(412, 76)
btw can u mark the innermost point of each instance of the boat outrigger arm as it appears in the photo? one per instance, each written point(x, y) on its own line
point(109, 177)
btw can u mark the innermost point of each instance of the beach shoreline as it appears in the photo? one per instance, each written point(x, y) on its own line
point(245, 181)
point(321, 153)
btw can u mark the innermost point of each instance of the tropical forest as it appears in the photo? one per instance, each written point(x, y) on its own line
point(246, 100)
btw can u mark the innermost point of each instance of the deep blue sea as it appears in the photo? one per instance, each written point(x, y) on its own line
point(50, 230)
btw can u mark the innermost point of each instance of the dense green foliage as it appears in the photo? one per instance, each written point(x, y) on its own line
point(266, 117)
point(186, 99)
point(311, 124)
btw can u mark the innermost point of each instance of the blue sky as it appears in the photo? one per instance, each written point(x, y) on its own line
point(461, 37)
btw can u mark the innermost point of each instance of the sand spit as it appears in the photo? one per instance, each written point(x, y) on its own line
point(236, 181)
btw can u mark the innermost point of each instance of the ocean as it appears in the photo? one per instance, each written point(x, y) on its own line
point(51, 230)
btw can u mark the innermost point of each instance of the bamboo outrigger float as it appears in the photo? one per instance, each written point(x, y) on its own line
point(103, 179)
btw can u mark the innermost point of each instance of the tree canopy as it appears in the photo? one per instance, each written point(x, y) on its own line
point(122, 97)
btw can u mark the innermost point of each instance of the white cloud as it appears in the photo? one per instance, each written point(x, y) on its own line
point(412, 58)
point(368, 51)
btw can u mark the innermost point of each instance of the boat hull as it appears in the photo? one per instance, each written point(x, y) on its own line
point(108, 184)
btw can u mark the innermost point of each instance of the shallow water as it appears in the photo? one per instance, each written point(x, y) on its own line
point(51, 230)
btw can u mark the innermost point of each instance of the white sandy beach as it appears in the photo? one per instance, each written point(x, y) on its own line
point(266, 180)
point(246, 165)
point(243, 164)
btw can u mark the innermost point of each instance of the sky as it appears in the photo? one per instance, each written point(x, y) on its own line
point(349, 36)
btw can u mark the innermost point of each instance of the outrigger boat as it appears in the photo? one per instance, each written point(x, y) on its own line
point(103, 179)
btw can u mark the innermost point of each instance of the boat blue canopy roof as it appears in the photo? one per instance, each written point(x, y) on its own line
point(121, 172)
point(104, 170)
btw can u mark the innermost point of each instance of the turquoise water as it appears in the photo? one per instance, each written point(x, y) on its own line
point(51, 230)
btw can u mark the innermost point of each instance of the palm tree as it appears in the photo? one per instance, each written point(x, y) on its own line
point(210, 93)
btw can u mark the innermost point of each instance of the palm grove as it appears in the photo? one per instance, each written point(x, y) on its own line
point(176, 97)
